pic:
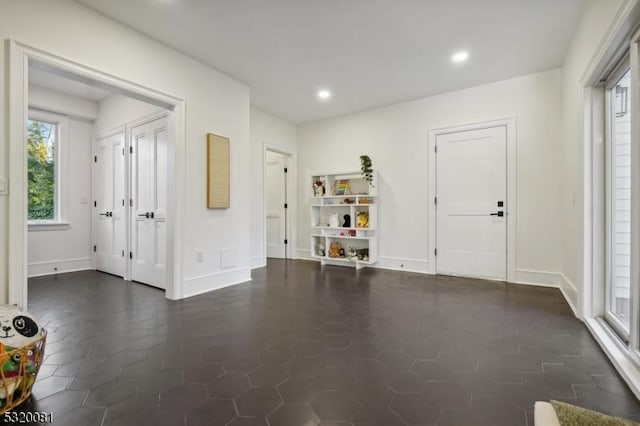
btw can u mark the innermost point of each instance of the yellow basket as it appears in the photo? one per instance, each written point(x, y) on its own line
point(18, 371)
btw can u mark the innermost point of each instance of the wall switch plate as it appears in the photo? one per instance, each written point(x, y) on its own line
point(4, 186)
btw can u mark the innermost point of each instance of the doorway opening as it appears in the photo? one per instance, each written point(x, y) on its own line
point(69, 207)
point(278, 207)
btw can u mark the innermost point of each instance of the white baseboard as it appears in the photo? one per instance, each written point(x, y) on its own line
point(39, 269)
point(257, 262)
point(550, 279)
point(205, 283)
point(420, 266)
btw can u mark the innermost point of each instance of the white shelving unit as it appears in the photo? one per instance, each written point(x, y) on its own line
point(361, 198)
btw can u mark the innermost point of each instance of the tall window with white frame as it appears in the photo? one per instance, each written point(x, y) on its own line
point(618, 290)
point(42, 141)
point(47, 169)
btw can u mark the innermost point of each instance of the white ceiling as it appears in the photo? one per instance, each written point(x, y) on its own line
point(58, 83)
point(369, 53)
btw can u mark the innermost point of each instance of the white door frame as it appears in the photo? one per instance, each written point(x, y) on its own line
point(512, 202)
point(292, 191)
point(19, 56)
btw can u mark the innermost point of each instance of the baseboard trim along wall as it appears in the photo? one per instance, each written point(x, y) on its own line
point(258, 262)
point(206, 283)
point(39, 269)
point(550, 279)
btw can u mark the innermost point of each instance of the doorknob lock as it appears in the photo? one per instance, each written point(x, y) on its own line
point(144, 215)
point(499, 214)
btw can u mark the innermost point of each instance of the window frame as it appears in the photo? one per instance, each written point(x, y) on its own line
point(623, 66)
point(61, 184)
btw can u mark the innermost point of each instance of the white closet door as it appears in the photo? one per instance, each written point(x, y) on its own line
point(276, 191)
point(109, 224)
point(149, 211)
point(471, 168)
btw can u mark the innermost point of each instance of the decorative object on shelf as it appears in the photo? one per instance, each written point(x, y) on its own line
point(352, 253)
point(334, 249)
point(333, 220)
point(363, 254)
point(365, 169)
point(320, 249)
point(365, 201)
point(342, 187)
point(362, 219)
point(352, 232)
point(217, 172)
point(347, 221)
point(22, 343)
point(348, 201)
point(341, 252)
point(318, 188)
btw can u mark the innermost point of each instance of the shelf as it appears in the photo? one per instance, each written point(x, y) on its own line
point(362, 199)
point(342, 228)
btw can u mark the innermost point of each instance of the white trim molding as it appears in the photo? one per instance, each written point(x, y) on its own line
point(209, 282)
point(52, 267)
point(550, 279)
point(511, 126)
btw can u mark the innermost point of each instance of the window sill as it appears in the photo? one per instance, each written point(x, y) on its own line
point(620, 356)
point(48, 226)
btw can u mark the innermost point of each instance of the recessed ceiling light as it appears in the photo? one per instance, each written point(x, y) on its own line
point(459, 57)
point(324, 94)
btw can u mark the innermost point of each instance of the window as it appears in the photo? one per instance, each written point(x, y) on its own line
point(618, 163)
point(47, 135)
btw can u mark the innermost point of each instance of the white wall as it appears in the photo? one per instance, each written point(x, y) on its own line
point(592, 28)
point(396, 139)
point(116, 110)
point(67, 249)
point(214, 103)
point(271, 130)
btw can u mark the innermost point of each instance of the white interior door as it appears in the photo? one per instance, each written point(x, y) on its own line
point(109, 225)
point(276, 199)
point(471, 190)
point(149, 195)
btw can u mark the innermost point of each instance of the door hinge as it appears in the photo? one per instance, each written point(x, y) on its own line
point(95, 204)
point(95, 248)
point(435, 252)
point(286, 206)
point(435, 149)
point(122, 253)
point(123, 201)
point(130, 255)
point(95, 158)
point(435, 200)
point(285, 170)
point(286, 242)
point(130, 150)
point(130, 202)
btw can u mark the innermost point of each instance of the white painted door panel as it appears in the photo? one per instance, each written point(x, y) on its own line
point(149, 194)
point(275, 193)
point(109, 224)
point(471, 179)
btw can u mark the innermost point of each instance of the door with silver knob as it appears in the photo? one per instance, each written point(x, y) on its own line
point(109, 224)
point(149, 195)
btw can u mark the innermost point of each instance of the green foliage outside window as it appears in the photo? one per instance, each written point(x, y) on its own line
point(41, 141)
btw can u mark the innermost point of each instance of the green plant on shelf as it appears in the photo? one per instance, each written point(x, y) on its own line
point(365, 169)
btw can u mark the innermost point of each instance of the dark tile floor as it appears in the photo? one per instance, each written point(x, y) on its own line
point(304, 345)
